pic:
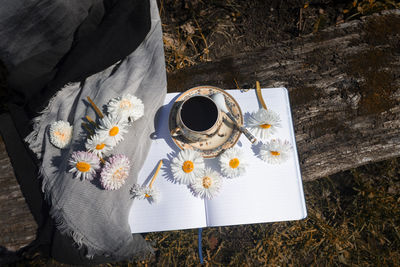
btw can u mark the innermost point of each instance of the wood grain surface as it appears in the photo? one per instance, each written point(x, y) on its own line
point(17, 225)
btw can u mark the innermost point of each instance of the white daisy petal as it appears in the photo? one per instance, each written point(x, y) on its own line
point(115, 172)
point(187, 166)
point(127, 107)
point(99, 145)
point(275, 151)
point(152, 194)
point(60, 134)
point(233, 163)
point(138, 191)
point(207, 185)
point(263, 123)
point(84, 165)
point(144, 192)
point(112, 129)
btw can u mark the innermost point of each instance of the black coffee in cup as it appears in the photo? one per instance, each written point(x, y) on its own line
point(199, 113)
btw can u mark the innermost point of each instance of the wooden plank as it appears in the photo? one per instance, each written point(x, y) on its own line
point(18, 227)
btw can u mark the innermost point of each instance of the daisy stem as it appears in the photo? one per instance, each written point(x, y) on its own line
point(237, 85)
point(87, 128)
point(91, 121)
point(155, 174)
point(96, 109)
point(259, 95)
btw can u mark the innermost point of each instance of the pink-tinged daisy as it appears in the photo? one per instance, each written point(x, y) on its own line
point(263, 123)
point(144, 192)
point(207, 185)
point(233, 163)
point(187, 166)
point(60, 134)
point(275, 151)
point(115, 172)
point(112, 129)
point(84, 165)
point(127, 107)
point(99, 145)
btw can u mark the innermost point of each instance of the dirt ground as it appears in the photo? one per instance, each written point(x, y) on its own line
point(353, 217)
point(197, 31)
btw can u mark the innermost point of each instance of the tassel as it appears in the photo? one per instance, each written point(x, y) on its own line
point(200, 245)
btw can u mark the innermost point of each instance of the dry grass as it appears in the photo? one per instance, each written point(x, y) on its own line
point(353, 217)
point(366, 7)
point(189, 27)
point(199, 31)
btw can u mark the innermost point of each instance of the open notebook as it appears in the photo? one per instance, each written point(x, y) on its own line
point(266, 193)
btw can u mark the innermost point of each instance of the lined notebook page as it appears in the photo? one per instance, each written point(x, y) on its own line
point(177, 208)
point(267, 192)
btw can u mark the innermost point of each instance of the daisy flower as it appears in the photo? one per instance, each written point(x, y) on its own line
point(208, 184)
point(144, 192)
point(138, 191)
point(233, 163)
point(84, 165)
point(98, 144)
point(112, 129)
point(115, 172)
point(187, 166)
point(263, 123)
point(60, 134)
point(152, 194)
point(128, 107)
point(275, 151)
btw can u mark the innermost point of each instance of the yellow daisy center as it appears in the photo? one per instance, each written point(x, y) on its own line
point(207, 182)
point(265, 126)
point(124, 103)
point(146, 195)
point(100, 146)
point(234, 163)
point(83, 166)
point(60, 135)
point(119, 174)
point(187, 166)
point(114, 131)
point(275, 153)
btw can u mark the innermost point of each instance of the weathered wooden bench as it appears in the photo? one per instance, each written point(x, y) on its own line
point(344, 85)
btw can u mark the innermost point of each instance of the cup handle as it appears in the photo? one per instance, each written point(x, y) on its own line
point(176, 132)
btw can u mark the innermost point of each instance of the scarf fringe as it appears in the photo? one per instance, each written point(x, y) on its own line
point(81, 241)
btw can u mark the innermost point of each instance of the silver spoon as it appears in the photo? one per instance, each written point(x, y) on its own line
point(219, 99)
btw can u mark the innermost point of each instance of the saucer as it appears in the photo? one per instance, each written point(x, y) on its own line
point(227, 135)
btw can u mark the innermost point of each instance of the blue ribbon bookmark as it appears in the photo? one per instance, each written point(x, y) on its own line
point(200, 245)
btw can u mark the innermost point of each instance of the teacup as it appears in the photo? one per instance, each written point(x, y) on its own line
point(198, 118)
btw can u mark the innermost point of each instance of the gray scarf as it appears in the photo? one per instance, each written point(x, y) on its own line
point(94, 217)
